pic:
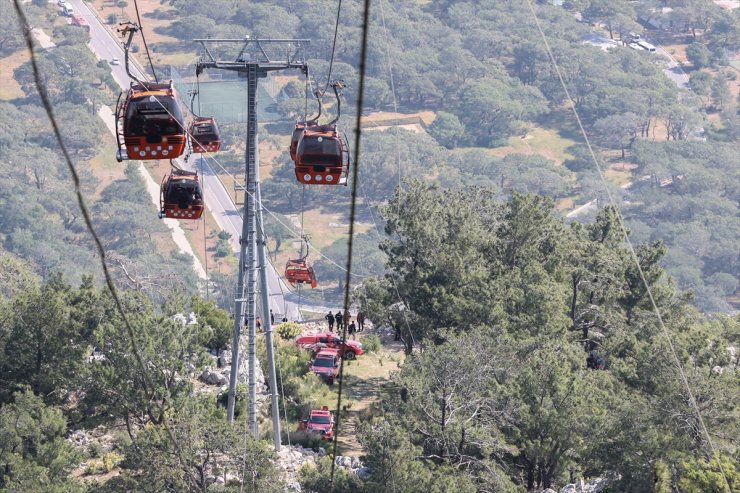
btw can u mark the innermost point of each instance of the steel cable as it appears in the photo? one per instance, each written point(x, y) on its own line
point(352, 217)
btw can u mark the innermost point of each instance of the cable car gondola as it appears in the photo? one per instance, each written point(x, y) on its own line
point(297, 271)
point(150, 123)
point(322, 153)
point(181, 196)
point(322, 157)
point(204, 134)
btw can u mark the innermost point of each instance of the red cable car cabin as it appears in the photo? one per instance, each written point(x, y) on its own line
point(152, 121)
point(322, 157)
point(299, 272)
point(204, 134)
point(180, 196)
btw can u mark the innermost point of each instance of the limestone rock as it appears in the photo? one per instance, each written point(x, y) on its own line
point(592, 486)
point(213, 378)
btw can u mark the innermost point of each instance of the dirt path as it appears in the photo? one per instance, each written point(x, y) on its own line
point(363, 379)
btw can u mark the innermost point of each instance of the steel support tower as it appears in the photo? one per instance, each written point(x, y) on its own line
point(253, 59)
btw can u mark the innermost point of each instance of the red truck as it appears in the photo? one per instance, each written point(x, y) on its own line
point(326, 365)
point(319, 421)
point(320, 340)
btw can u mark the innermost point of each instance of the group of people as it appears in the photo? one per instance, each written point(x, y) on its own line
point(346, 320)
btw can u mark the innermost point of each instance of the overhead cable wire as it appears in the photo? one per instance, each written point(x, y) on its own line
point(146, 47)
point(46, 103)
point(333, 48)
point(625, 234)
point(352, 217)
point(393, 92)
point(205, 238)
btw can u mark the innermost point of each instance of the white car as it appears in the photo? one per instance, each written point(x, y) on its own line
point(115, 61)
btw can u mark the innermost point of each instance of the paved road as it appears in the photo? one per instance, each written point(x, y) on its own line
point(218, 201)
point(672, 70)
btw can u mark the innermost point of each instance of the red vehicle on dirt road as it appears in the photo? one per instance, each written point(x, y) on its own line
point(326, 365)
point(319, 421)
point(320, 340)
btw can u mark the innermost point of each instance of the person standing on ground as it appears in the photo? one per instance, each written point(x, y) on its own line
point(360, 321)
point(272, 317)
point(352, 329)
point(347, 316)
point(339, 319)
point(330, 318)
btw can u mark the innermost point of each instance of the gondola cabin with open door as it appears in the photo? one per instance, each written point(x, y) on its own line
point(299, 272)
point(322, 157)
point(150, 123)
point(204, 134)
point(181, 196)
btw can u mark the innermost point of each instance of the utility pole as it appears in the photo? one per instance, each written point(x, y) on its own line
point(255, 58)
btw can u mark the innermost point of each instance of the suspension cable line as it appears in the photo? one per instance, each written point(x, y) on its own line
point(333, 48)
point(352, 218)
point(146, 47)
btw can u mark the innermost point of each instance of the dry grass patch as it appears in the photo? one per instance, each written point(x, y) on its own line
point(104, 165)
point(678, 52)
point(538, 141)
point(269, 155)
point(104, 8)
point(618, 175)
point(326, 228)
point(565, 204)
point(205, 245)
point(9, 88)
point(426, 116)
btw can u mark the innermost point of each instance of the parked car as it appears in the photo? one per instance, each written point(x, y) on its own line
point(115, 61)
point(317, 341)
point(326, 365)
point(319, 421)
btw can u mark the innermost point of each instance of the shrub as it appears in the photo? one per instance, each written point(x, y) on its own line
point(104, 465)
point(223, 248)
point(307, 440)
point(112, 18)
point(370, 343)
point(111, 460)
point(318, 478)
point(94, 450)
point(288, 330)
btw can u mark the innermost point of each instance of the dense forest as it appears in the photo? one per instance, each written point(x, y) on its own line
point(531, 353)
